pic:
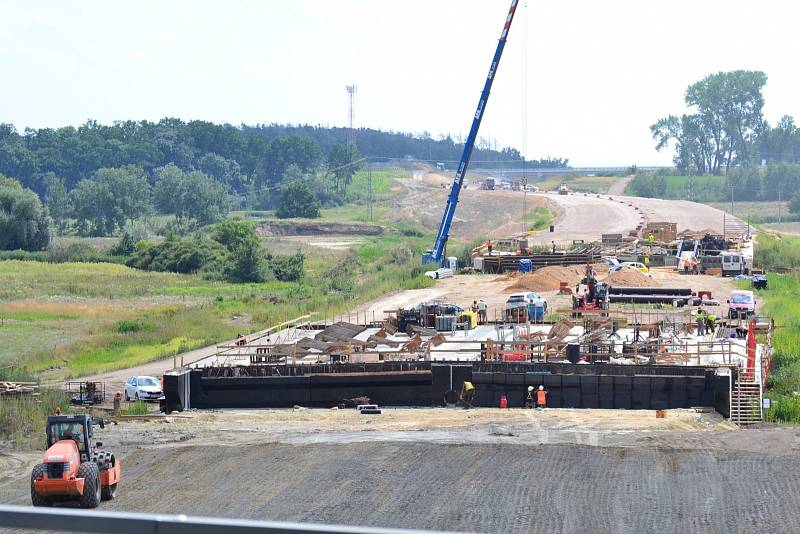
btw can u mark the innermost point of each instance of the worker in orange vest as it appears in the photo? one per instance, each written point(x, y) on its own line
point(541, 398)
point(489, 246)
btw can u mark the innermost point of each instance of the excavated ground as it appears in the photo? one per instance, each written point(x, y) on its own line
point(482, 470)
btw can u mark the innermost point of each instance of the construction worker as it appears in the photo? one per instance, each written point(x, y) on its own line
point(541, 398)
point(554, 246)
point(118, 401)
point(481, 311)
point(711, 323)
point(647, 262)
point(529, 403)
point(467, 394)
point(489, 246)
point(474, 307)
point(651, 238)
point(699, 316)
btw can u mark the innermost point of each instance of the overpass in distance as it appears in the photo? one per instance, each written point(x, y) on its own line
point(518, 171)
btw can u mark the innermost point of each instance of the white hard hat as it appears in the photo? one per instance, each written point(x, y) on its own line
point(541, 388)
point(530, 388)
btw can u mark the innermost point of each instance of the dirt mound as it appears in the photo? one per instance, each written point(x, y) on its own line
point(546, 279)
point(630, 278)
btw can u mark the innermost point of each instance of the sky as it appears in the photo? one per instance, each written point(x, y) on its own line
point(598, 73)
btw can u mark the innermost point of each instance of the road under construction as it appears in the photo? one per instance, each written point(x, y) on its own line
point(653, 416)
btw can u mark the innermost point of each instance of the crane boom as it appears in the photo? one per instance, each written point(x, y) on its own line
point(437, 254)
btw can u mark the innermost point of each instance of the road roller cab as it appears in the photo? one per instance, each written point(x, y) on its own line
point(74, 468)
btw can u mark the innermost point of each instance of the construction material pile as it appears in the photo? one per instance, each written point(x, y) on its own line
point(630, 278)
point(545, 279)
point(10, 389)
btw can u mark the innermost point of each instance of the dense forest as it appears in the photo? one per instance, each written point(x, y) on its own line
point(95, 179)
point(236, 156)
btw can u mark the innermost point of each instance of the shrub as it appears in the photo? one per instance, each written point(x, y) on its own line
point(177, 256)
point(401, 254)
point(129, 326)
point(125, 246)
point(24, 223)
point(287, 268)
point(136, 408)
point(247, 264)
point(73, 252)
point(233, 234)
point(297, 200)
point(784, 410)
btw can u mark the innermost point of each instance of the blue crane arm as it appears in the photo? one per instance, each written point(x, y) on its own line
point(437, 254)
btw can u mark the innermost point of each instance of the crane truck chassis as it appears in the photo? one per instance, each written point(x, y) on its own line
point(73, 468)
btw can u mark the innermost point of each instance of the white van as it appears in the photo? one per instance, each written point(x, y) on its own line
point(733, 264)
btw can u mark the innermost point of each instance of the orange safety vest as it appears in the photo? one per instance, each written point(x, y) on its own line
point(541, 397)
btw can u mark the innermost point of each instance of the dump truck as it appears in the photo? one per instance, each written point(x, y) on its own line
point(74, 469)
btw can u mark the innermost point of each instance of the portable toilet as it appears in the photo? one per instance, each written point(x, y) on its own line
point(525, 265)
point(452, 262)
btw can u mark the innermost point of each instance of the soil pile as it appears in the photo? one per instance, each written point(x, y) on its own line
point(630, 278)
point(546, 279)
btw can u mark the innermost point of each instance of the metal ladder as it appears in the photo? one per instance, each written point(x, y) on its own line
point(746, 404)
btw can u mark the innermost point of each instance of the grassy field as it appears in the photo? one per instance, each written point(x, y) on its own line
point(697, 188)
point(588, 184)
point(539, 219)
point(782, 303)
point(81, 318)
point(757, 212)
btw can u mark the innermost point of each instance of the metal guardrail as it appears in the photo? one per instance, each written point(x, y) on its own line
point(72, 520)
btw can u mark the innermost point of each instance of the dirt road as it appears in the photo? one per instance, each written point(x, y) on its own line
point(619, 187)
point(483, 471)
point(480, 213)
point(587, 216)
point(494, 290)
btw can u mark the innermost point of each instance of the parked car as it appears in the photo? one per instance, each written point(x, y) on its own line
point(611, 262)
point(742, 304)
point(143, 388)
point(630, 265)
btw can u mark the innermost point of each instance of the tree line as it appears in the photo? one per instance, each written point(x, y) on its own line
point(95, 178)
point(726, 127)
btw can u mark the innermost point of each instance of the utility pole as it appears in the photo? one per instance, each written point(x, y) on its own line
point(369, 180)
point(779, 204)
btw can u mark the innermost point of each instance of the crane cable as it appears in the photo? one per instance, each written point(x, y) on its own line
point(524, 111)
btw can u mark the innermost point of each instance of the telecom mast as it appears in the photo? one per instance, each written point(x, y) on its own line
point(351, 132)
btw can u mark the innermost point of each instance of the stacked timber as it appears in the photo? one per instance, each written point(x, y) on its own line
point(16, 389)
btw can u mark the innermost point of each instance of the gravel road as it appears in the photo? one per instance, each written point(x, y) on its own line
point(481, 471)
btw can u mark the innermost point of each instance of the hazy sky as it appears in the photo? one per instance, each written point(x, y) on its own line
point(599, 73)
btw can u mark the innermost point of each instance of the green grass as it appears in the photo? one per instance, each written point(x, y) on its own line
point(584, 184)
point(136, 408)
point(83, 319)
point(539, 219)
point(697, 188)
point(773, 252)
point(761, 212)
point(22, 420)
point(782, 303)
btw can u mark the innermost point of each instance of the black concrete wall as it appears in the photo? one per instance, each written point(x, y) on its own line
point(568, 386)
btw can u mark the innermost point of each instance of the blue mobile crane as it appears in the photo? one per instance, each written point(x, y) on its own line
point(437, 255)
